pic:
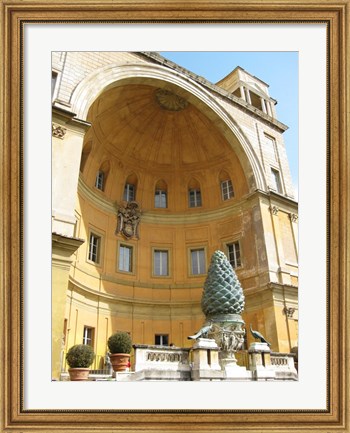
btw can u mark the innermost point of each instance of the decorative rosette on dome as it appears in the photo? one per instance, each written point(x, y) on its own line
point(222, 293)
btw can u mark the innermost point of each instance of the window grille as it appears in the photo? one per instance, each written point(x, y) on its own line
point(194, 198)
point(161, 263)
point(129, 192)
point(234, 254)
point(94, 248)
point(99, 184)
point(161, 339)
point(125, 258)
point(226, 189)
point(197, 262)
point(160, 199)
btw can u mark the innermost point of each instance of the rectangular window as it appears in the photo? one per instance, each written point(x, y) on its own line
point(161, 339)
point(234, 254)
point(194, 198)
point(160, 263)
point(226, 189)
point(125, 258)
point(197, 261)
point(160, 199)
point(276, 181)
point(88, 336)
point(271, 149)
point(53, 83)
point(94, 248)
point(99, 180)
point(129, 192)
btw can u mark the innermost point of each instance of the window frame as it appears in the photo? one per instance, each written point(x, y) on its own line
point(121, 244)
point(233, 243)
point(91, 339)
point(100, 237)
point(127, 192)
point(190, 263)
point(197, 192)
point(161, 337)
point(274, 146)
point(161, 249)
point(278, 185)
point(158, 193)
point(222, 183)
point(98, 174)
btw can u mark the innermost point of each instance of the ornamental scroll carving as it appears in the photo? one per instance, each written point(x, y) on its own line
point(58, 131)
point(289, 312)
point(274, 210)
point(293, 217)
point(128, 215)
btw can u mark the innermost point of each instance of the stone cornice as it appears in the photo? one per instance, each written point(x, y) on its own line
point(65, 243)
point(213, 87)
point(69, 119)
point(157, 217)
point(142, 284)
point(130, 300)
point(151, 217)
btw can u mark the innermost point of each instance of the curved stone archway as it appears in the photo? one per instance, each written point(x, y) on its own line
point(90, 88)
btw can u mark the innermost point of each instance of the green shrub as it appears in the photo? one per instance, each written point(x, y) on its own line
point(120, 342)
point(80, 356)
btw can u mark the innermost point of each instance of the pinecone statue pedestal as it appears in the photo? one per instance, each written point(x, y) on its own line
point(222, 303)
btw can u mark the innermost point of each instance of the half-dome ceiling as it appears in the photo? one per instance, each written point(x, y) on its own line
point(156, 128)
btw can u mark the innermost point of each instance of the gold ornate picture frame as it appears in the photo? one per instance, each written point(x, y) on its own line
point(14, 418)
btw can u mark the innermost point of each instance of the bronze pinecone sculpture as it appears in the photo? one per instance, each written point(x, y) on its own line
point(223, 293)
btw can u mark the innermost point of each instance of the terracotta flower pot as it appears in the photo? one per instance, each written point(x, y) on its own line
point(119, 361)
point(78, 373)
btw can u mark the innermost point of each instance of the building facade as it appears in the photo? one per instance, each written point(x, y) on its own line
point(153, 169)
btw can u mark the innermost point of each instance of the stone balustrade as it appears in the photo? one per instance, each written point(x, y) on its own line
point(162, 362)
point(284, 365)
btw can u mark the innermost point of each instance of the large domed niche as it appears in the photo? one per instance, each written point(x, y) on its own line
point(159, 130)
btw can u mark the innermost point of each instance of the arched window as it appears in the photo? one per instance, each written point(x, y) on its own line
point(100, 180)
point(160, 195)
point(194, 194)
point(130, 188)
point(101, 176)
point(226, 186)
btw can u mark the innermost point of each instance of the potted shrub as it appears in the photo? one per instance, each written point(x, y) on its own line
point(120, 345)
point(79, 358)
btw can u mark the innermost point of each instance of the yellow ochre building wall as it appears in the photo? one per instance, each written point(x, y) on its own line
point(197, 148)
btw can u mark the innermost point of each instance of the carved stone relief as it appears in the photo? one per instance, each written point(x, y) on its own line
point(128, 215)
point(58, 131)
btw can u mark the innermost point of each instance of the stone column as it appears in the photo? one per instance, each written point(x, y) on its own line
point(241, 88)
point(263, 105)
point(248, 96)
point(268, 107)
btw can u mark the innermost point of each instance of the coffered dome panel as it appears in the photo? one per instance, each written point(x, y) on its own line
point(156, 128)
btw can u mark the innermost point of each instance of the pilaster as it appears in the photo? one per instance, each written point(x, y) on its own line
point(283, 274)
point(294, 223)
point(62, 250)
point(67, 142)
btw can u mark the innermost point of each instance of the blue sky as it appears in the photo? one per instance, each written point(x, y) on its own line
point(278, 69)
